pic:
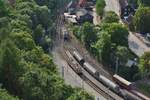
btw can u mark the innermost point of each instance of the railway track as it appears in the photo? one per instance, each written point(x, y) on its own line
point(59, 42)
point(96, 88)
point(89, 79)
point(89, 58)
point(92, 82)
point(72, 45)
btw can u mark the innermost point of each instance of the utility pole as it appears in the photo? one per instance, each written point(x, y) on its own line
point(63, 71)
point(117, 61)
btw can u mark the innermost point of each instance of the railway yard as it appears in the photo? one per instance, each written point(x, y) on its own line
point(88, 71)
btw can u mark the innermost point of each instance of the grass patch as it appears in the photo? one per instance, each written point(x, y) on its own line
point(145, 88)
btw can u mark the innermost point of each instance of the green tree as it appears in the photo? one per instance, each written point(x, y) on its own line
point(19, 25)
point(103, 47)
point(142, 20)
point(3, 9)
point(23, 40)
point(81, 95)
point(144, 2)
point(43, 14)
point(9, 66)
point(76, 31)
point(123, 54)
point(111, 17)
point(40, 84)
point(100, 5)
point(119, 34)
point(4, 28)
point(88, 35)
point(67, 92)
point(37, 56)
point(38, 33)
point(144, 64)
point(25, 69)
point(5, 96)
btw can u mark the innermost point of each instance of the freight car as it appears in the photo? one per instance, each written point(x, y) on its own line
point(122, 82)
point(78, 57)
point(113, 86)
point(91, 69)
point(73, 63)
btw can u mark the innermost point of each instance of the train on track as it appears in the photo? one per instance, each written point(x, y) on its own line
point(65, 34)
point(121, 86)
point(73, 63)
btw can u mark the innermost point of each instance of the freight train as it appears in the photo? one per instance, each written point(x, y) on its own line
point(113, 86)
point(121, 86)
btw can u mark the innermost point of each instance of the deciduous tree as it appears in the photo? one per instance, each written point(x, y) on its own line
point(118, 33)
point(5, 96)
point(88, 34)
point(144, 64)
point(100, 5)
point(111, 17)
point(142, 20)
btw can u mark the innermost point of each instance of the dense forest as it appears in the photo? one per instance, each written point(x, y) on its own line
point(27, 72)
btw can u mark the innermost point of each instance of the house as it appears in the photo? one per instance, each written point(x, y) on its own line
point(83, 16)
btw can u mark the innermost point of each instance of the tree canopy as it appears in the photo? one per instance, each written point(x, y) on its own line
point(88, 34)
point(26, 70)
point(100, 5)
point(111, 17)
point(142, 20)
point(144, 2)
point(5, 96)
point(144, 64)
point(117, 30)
